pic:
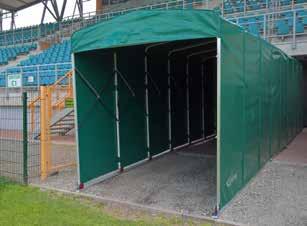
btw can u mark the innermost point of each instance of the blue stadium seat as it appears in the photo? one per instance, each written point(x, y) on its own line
point(282, 27)
point(299, 27)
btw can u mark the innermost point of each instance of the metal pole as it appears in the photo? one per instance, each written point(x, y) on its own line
point(203, 100)
point(44, 131)
point(264, 26)
point(169, 102)
point(117, 110)
point(25, 138)
point(188, 100)
point(218, 137)
point(147, 93)
point(244, 7)
point(147, 106)
point(294, 31)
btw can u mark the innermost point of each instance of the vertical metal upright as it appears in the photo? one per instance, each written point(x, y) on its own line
point(203, 100)
point(117, 110)
point(169, 93)
point(25, 137)
point(147, 106)
point(188, 99)
point(45, 133)
point(218, 135)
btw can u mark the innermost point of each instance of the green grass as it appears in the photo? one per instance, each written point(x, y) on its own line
point(23, 205)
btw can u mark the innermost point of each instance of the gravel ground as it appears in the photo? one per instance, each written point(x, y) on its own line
point(276, 196)
point(183, 180)
point(174, 182)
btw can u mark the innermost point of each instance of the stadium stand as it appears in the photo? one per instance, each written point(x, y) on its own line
point(249, 6)
point(27, 34)
point(58, 53)
point(276, 21)
point(282, 23)
point(10, 53)
point(44, 68)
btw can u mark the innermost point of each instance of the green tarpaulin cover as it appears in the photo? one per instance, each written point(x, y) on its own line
point(260, 99)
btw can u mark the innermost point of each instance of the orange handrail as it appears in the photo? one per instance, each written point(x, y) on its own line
point(60, 102)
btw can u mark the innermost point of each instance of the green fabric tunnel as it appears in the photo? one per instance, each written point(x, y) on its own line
point(129, 111)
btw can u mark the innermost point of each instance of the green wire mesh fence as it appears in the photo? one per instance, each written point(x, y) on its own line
point(19, 147)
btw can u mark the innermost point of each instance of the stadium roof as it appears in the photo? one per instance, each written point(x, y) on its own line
point(15, 5)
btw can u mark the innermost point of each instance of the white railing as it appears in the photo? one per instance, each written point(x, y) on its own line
point(287, 26)
point(35, 75)
point(246, 7)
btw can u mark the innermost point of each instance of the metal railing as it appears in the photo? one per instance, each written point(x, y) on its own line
point(35, 75)
point(51, 100)
point(288, 27)
point(246, 7)
point(57, 31)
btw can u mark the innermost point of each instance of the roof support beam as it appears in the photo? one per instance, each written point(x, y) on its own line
point(45, 3)
point(80, 7)
point(13, 25)
point(55, 8)
point(63, 9)
point(1, 20)
point(43, 15)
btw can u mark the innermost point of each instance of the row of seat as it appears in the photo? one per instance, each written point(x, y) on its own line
point(58, 53)
point(43, 68)
point(238, 6)
point(282, 22)
point(27, 34)
point(10, 53)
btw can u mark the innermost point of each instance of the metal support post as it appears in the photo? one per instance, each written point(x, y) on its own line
point(25, 138)
point(117, 110)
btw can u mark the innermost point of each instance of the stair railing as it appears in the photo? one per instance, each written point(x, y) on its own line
point(51, 98)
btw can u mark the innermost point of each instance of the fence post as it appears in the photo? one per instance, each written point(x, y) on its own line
point(25, 138)
point(45, 133)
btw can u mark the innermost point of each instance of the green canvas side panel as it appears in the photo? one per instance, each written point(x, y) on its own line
point(284, 136)
point(178, 102)
point(232, 131)
point(275, 93)
point(158, 102)
point(252, 107)
point(265, 103)
point(195, 101)
point(131, 105)
point(96, 123)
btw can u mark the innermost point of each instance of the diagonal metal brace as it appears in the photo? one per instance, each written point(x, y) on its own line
point(95, 92)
